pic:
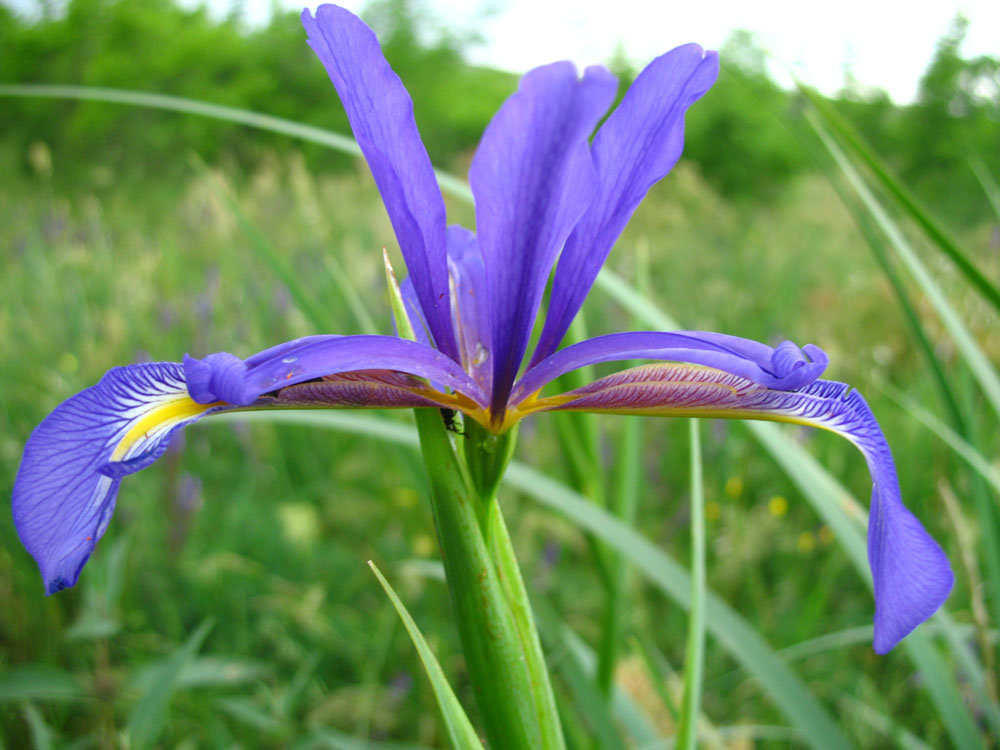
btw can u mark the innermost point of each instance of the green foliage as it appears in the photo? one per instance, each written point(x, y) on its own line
point(955, 121)
point(735, 133)
point(163, 48)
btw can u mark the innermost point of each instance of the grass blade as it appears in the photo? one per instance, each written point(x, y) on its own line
point(150, 714)
point(331, 739)
point(42, 735)
point(39, 683)
point(962, 448)
point(980, 365)
point(309, 133)
point(694, 656)
point(460, 731)
point(990, 186)
point(281, 268)
point(880, 722)
point(910, 203)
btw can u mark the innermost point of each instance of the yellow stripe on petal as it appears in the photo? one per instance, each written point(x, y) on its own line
point(160, 417)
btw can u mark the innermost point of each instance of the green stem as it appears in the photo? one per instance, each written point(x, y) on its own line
point(624, 500)
point(487, 457)
point(504, 684)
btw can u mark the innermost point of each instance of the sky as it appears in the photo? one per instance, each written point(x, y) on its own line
point(886, 43)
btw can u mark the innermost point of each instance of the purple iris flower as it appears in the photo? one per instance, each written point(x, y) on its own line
point(544, 192)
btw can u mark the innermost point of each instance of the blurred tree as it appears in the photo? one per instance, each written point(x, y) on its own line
point(956, 118)
point(735, 133)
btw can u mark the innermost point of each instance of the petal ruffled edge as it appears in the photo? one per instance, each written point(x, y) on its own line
point(225, 377)
point(784, 367)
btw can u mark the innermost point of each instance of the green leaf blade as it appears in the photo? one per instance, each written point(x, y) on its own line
point(460, 730)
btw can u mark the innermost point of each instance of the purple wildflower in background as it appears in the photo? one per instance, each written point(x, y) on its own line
point(544, 193)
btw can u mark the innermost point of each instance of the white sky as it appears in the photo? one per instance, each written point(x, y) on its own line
point(886, 43)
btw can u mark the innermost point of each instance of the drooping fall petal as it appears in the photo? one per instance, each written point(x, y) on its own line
point(911, 574)
point(224, 377)
point(65, 489)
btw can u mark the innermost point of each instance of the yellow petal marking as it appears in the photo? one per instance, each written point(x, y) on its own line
point(175, 410)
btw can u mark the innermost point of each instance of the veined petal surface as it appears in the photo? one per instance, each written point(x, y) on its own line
point(381, 114)
point(911, 574)
point(636, 147)
point(224, 377)
point(73, 462)
point(532, 177)
point(361, 389)
point(785, 367)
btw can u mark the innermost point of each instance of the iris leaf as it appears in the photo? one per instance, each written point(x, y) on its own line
point(910, 203)
point(460, 729)
point(694, 655)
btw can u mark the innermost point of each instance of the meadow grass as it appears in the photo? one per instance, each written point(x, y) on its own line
point(263, 530)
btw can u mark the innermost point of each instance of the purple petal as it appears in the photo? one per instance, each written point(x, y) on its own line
point(783, 368)
point(73, 462)
point(471, 308)
point(223, 377)
point(411, 306)
point(381, 115)
point(533, 178)
point(638, 144)
point(911, 574)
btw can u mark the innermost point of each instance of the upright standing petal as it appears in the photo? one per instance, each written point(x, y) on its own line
point(533, 178)
point(638, 144)
point(470, 304)
point(73, 462)
point(381, 115)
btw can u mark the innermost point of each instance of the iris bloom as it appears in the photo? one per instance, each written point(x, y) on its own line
point(542, 191)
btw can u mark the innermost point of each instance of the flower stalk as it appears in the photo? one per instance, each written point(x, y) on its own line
point(492, 612)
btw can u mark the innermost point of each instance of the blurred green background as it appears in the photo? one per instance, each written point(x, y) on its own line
point(124, 237)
